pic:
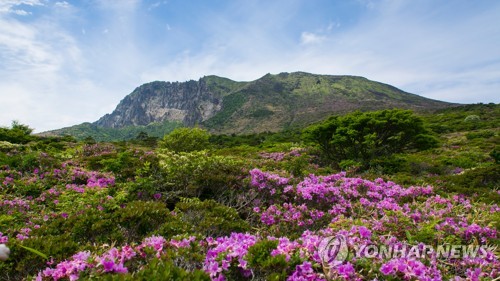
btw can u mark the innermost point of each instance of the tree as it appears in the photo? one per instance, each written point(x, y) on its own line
point(18, 133)
point(364, 137)
point(142, 136)
point(186, 140)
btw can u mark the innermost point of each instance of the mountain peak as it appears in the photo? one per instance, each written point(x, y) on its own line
point(271, 103)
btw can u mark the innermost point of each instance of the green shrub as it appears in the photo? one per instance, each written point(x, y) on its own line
point(135, 221)
point(156, 269)
point(22, 262)
point(482, 182)
point(472, 118)
point(495, 154)
point(123, 165)
point(364, 137)
point(186, 140)
point(18, 133)
point(198, 174)
point(210, 218)
point(266, 266)
point(426, 233)
point(6, 146)
point(349, 164)
point(484, 134)
point(140, 218)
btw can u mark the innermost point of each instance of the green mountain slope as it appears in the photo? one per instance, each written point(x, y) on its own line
point(269, 104)
point(283, 101)
point(98, 133)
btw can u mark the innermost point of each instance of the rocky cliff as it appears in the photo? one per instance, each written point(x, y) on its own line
point(189, 102)
point(270, 103)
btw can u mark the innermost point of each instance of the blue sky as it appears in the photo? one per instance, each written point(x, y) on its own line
point(67, 62)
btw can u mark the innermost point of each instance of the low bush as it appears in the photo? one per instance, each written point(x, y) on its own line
point(210, 218)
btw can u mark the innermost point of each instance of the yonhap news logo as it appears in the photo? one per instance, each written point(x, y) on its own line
point(333, 250)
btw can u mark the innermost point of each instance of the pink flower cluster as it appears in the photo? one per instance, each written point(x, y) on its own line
point(304, 272)
point(97, 149)
point(67, 269)
point(276, 156)
point(112, 261)
point(3, 239)
point(224, 251)
point(16, 204)
point(382, 207)
point(263, 180)
point(279, 156)
point(311, 199)
point(290, 213)
point(89, 179)
point(410, 269)
point(34, 211)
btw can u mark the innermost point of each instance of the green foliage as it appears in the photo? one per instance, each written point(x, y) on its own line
point(140, 218)
point(266, 266)
point(128, 224)
point(143, 138)
point(124, 164)
point(297, 165)
point(157, 269)
point(365, 137)
point(495, 154)
point(210, 218)
point(18, 133)
point(464, 118)
point(197, 174)
point(22, 262)
point(186, 140)
point(472, 118)
point(230, 105)
point(427, 233)
point(479, 181)
point(262, 113)
point(6, 146)
point(53, 144)
point(97, 133)
point(265, 139)
point(27, 161)
point(483, 134)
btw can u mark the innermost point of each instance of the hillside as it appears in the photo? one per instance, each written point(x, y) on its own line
point(267, 206)
point(294, 100)
point(269, 104)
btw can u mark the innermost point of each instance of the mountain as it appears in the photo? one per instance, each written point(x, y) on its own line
point(189, 102)
point(291, 100)
point(271, 103)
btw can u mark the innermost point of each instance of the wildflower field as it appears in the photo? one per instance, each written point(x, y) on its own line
point(194, 206)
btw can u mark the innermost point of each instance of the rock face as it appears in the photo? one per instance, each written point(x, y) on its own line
point(268, 104)
point(189, 102)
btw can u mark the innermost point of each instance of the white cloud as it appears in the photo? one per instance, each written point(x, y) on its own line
point(44, 76)
point(156, 5)
point(62, 4)
point(8, 6)
point(311, 38)
point(417, 50)
point(20, 12)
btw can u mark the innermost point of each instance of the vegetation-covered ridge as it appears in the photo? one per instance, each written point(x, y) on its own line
point(92, 131)
point(269, 104)
point(197, 206)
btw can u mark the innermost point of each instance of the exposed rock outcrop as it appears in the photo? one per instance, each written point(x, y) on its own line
point(189, 102)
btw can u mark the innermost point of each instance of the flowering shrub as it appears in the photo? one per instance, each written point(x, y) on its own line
point(109, 212)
